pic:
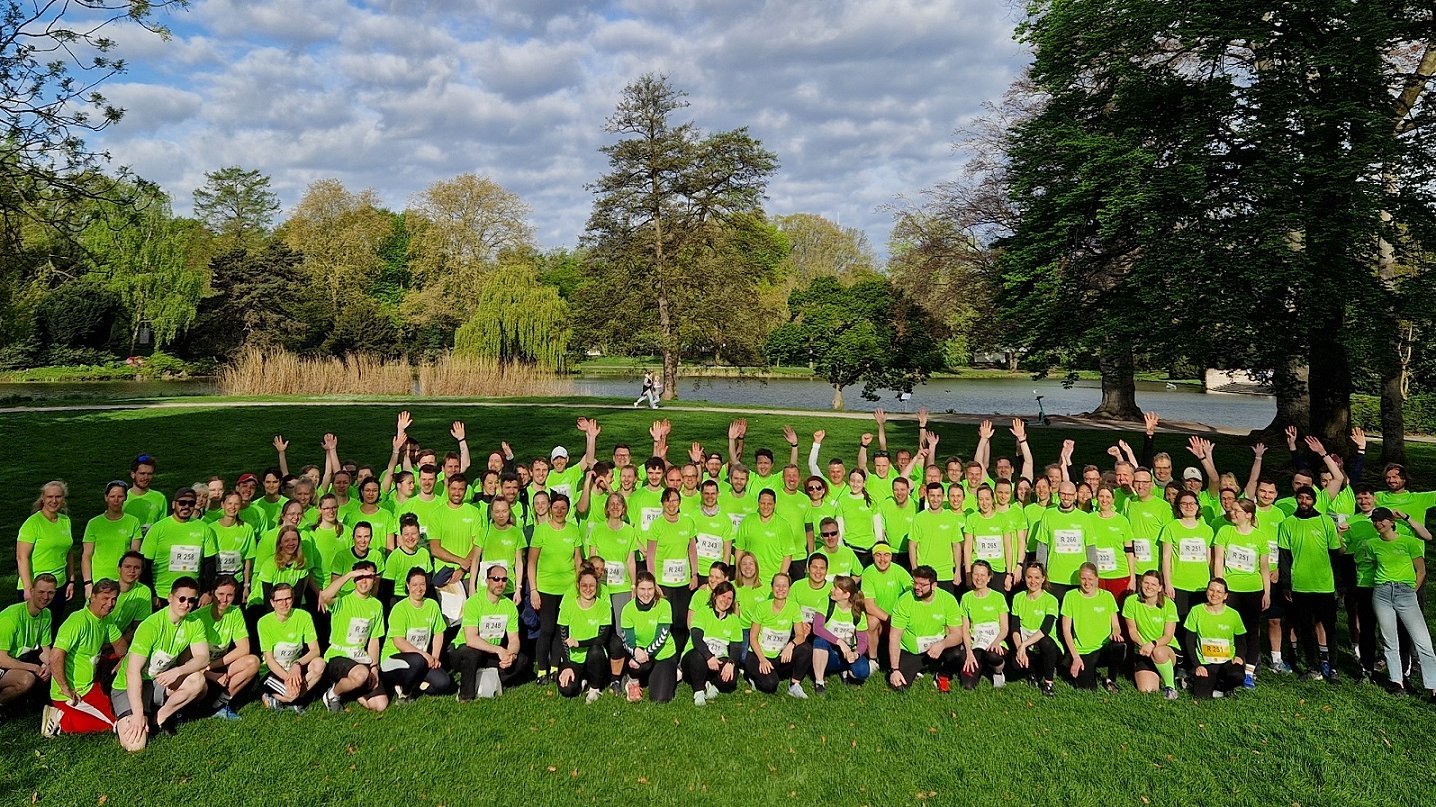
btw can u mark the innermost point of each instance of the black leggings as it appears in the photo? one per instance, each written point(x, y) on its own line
point(1041, 660)
point(1368, 639)
point(1308, 610)
point(1184, 600)
point(1225, 677)
point(469, 661)
point(1248, 605)
point(949, 663)
point(548, 627)
point(1111, 655)
point(800, 665)
point(660, 677)
point(593, 669)
point(697, 674)
point(988, 663)
point(678, 597)
point(415, 676)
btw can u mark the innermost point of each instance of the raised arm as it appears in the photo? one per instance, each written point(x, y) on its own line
point(792, 437)
point(1202, 450)
point(1338, 479)
point(1149, 438)
point(863, 443)
point(921, 427)
point(330, 444)
point(1019, 432)
point(460, 433)
point(281, 446)
point(813, 453)
point(591, 430)
point(735, 430)
point(983, 453)
point(386, 479)
point(1258, 451)
point(1064, 459)
point(881, 418)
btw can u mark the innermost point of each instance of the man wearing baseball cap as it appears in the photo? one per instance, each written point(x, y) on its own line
point(180, 545)
point(250, 512)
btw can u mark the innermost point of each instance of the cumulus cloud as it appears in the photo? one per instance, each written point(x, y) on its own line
point(858, 99)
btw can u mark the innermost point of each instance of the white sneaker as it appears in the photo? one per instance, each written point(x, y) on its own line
point(50, 721)
point(999, 681)
point(331, 701)
point(795, 690)
point(710, 691)
point(592, 696)
point(699, 699)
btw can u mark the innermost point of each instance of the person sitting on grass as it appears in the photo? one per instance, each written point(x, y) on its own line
point(351, 664)
point(77, 705)
point(25, 641)
point(293, 663)
point(232, 666)
point(489, 636)
point(163, 670)
point(926, 634)
point(1211, 644)
point(410, 662)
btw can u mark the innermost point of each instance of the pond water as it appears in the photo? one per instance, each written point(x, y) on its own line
point(994, 396)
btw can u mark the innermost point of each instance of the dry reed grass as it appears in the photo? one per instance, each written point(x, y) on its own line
point(459, 376)
point(278, 372)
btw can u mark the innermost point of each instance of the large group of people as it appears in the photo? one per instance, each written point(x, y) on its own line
point(423, 576)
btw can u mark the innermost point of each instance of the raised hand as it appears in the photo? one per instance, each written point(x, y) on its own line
point(1314, 445)
point(1067, 448)
point(329, 442)
point(1152, 421)
point(932, 439)
point(507, 449)
point(656, 431)
point(922, 417)
point(866, 440)
point(1358, 436)
point(985, 430)
point(1259, 450)
point(742, 427)
point(1114, 452)
point(1291, 438)
point(695, 452)
point(818, 436)
point(1124, 447)
point(790, 435)
point(1019, 429)
point(280, 444)
point(399, 441)
point(734, 430)
point(880, 416)
point(405, 421)
point(1194, 445)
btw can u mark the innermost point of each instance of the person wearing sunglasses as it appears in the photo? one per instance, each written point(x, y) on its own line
point(842, 560)
point(410, 661)
point(293, 663)
point(351, 664)
point(488, 637)
point(163, 670)
point(180, 545)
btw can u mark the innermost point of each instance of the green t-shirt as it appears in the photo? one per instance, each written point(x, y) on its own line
point(584, 623)
point(841, 561)
point(555, 572)
point(1392, 561)
point(287, 640)
point(1191, 554)
point(1031, 613)
point(1409, 502)
point(83, 637)
point(1067, 536)
point(718, 632)
point(271, 511)
point(569, 481)
point(233, 545)
point(713, 531)
point(353, 621)
point(418, 624)
point(672, 540)
point(326, 542)
point(148, 507)
point(494, 620)
point(934, 534)
point(615, 547)
point(984, 617)
point(1147, 519)
point(811, 601)
point(1151, 619)
point(1110, 538)
point(886, 587)
point(897, 521)
point(857, 520)
point(345, 560)
point(1033, 514)
point(1359, 530)
point(160, 642)
point(988, 534)
point(112, 539)
point(52, 541)
point(268, 572)
point(381, 522)
point(1310, 541)
point(177, 549)
point(21, 633)
point(750, 599)
point(775, 626)
point(132, 606)
point(222, 633)
point(644, 506)
point(924, 624)
point(644, 624)
point(399, 562)
point(500, 546)
point(1241, 558)
point(1215, 633)
point(880, 488)
point(792, 508)
point(769, 542)
point(455, 529)
point(1091, 618)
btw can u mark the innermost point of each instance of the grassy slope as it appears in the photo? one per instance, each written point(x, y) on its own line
point(1293, 742)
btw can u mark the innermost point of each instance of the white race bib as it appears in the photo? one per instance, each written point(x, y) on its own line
point(1241, 558)
point(710, 546)
point(1217, 650)
point(286, 653)
point(717, 647)
point(985, 633)
point(614, 572)
point(159, 662)
point(736, 519)
point(1106, 560)
point(418, 637)
point(1067, 542)
point(925, 642)
point(1142, 550)
point(184, 558)
point(357, 634)
point(230, 562)
point(1273, 555)
point(989, 547)
point(494, 627)
point(842, 629)
point(675, 571)
point(564, 490)
point(808, 613)
point(772, 641)
point(648, 515)
point(1192, 550)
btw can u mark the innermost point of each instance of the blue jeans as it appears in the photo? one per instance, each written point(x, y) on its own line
point(859, 670)
point(1397, 601)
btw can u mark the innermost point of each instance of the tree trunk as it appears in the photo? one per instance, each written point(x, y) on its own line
point(1329, 383)
point(837, 397)
point(1011, 361)
point(1119, 385)
point(670, 373)
point(1393, 416)
point(1293, 403)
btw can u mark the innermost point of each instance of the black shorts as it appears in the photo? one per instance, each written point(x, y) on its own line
point(337, 669)
point(1141, 663)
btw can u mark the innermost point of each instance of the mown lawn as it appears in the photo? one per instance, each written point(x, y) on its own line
point(1291, 742)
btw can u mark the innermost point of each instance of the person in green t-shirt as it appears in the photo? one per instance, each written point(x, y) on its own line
point(671, 550)
point(151, 684)
point(1034, 646)
point(1211, 644)
point(1240, 558)
point(179, 545)
point(1091, 632)
point(988, 536)
point(108, 537)
point(926, 633)
point(77, 706)
point(293, 662)
point(646, 624)
point(411, 659)
point(1151, 621)
point(351, 664)
point(503, 545)
point(488, 636)
point(842, 560)
point(585, 625)
point(141, 501)
point(840, 636)
point(555, 556)
point(232, 666)
point(778, 646)
point(25, 641)
point(1400, 571)
point(44, 546)
point(984, 629)
point(234, 540)
point(883, 583)
point(1063, 538)
point(936, 539)
point(715, 638)
point(1309, 545)
point(1186, 554)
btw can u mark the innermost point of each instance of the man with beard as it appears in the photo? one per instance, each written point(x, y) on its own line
point(1309, 544)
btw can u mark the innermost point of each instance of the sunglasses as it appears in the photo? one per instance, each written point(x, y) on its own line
point(829, 534)
point(814, 488)
point(498, 580)
point(184, 502)
point(188, 600)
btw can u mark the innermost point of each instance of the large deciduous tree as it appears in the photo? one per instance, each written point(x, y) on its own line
point(341, 235)
point(820, 247)
point(517, 320)
point(237, 205)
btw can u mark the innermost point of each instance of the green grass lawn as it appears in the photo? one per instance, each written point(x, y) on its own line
point(1291, 742)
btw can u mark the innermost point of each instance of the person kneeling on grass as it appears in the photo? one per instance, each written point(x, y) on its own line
point(647, 624)
point(585, 622)
point(294, 666)
point(715, 639)
point(232, 667)
point(25, 641)
point(1092, 632)
point(840, 636)
point(410, 660)
point(1034, 650)
point(1151, 620)
point(926, 633)
point(163, 670)
point(77, 705)
point(778, 642)
point(355, 634)
point(488, 637)
point(1211, 644)
point(984, 625)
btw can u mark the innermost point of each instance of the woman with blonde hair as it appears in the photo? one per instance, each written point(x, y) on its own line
point(44, 545)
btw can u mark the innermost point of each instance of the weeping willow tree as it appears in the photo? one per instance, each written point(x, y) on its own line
point(517, 320)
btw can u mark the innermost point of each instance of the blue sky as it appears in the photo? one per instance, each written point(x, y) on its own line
point(858, 99)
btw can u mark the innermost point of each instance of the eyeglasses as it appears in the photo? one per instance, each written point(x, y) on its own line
point(814, 488)
point(829, 534)
point(498, 580)
point(278, 600)
point(188, 600)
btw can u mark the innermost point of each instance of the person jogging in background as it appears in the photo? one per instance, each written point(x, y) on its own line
point(649, 391)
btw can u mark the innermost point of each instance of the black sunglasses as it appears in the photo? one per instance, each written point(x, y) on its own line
point(498, 580)
point(829, 534)
point(190, 600)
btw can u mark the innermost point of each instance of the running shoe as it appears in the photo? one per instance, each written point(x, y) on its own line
point(225, 713)
point(1282, 668)
point(795, 690)
point(1047, 689)
point(50, 721)
point(710, 691)
point(1110, 686)
point(1249, 681)
point(699, 699)
point(1170, 693)
point(332, 702)
point(820, 688)
point(944, 683)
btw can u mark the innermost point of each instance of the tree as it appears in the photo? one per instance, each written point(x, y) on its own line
point(237, 205)
point(258, 300)
point(517, 320)
point(867, 332)
point(340, 235)
point(819, 247)
point(667, 183)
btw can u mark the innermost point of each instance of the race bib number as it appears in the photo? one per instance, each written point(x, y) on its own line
point(357, 634)
point(1214, 650)
point(564, 490)
point(1273, 555)
point(926, 642)
point(159, 662)
point(989, 547)
point(614, 572)
point(717, 647)
point(1192, 550)
point(772, 641)
point(286, 653)
point(647, 516)
point(808, 613)
point(1241, 558)
point(418, 637)
point(184, 559)
point(736, 519)
point(1106, 560)
point(1067, 542)
point(230, 562)
point(843, 630)
point(494, 627)
point(675, 571)
point(710, 546)
point(1142, 550)
point(984, 634)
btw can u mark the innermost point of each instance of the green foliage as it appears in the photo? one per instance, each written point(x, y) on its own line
point(363, 326)
point(1419, 413)
point(237, 205)
point(562, 269)
point(517, 319)
point(77, 315)
point(259, 299)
